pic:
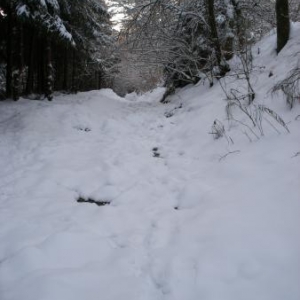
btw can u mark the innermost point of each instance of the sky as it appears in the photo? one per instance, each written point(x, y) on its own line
point(117, 15)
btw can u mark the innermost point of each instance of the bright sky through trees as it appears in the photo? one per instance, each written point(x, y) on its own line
point(116, 13)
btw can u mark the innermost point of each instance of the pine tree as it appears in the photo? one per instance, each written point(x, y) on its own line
point(91, 29)
point(49, 45)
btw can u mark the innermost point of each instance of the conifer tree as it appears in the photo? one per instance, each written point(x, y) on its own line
point(48, 45)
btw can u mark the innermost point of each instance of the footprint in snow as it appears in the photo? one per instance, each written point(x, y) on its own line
point(155, 152)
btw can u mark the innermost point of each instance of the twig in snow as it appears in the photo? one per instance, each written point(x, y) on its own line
point(228, 153)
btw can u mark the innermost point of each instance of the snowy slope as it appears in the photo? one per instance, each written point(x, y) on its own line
point(186, 220)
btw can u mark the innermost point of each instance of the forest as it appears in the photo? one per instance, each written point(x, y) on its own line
point(70, 46)
point(52, 45)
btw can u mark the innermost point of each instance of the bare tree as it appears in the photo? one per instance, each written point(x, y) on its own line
point(181, 37)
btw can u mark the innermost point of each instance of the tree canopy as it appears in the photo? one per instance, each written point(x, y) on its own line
point(51, 45)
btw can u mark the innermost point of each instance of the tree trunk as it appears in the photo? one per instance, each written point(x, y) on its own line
point(283, 23)
point(99, 81)
point(213, 30)
point(49, 71)
point(224, 68)
point(239, 24)
point(21, 59)
point(29, 84)
point(66, 69)
point(74, 75)
point(17, 75)
point(9, 53)
point(15, 43)
point(40, 80)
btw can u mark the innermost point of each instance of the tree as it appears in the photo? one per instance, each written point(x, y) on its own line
point(48, 45)
point(93, 57)
point(223, 67)
point(283, 23)
point(181, 37)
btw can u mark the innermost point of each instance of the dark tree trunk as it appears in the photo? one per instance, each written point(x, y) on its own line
point(29, 84)
point(213, 30)
point(283, 23)
point(17, 75)
point(21, 59)
point(49, 71)
point(15, 70)
point(9, 54)
point(239, 20)
point(99, 81)
point(224, 68)
point(40, 67)
point(66, 70)
point(74, 78)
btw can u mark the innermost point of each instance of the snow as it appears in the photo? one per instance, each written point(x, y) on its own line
point(205, 219)
point(51, 23)
point(54, 4)
point(23, 10)
point(57, 25)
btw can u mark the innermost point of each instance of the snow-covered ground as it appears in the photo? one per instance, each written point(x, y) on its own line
point(196, 218)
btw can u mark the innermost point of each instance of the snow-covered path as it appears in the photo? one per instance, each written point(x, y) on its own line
point(180, 226)
point(49, 239)
point(186, 220)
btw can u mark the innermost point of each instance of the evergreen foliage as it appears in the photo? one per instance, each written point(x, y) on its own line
point(48, 45)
